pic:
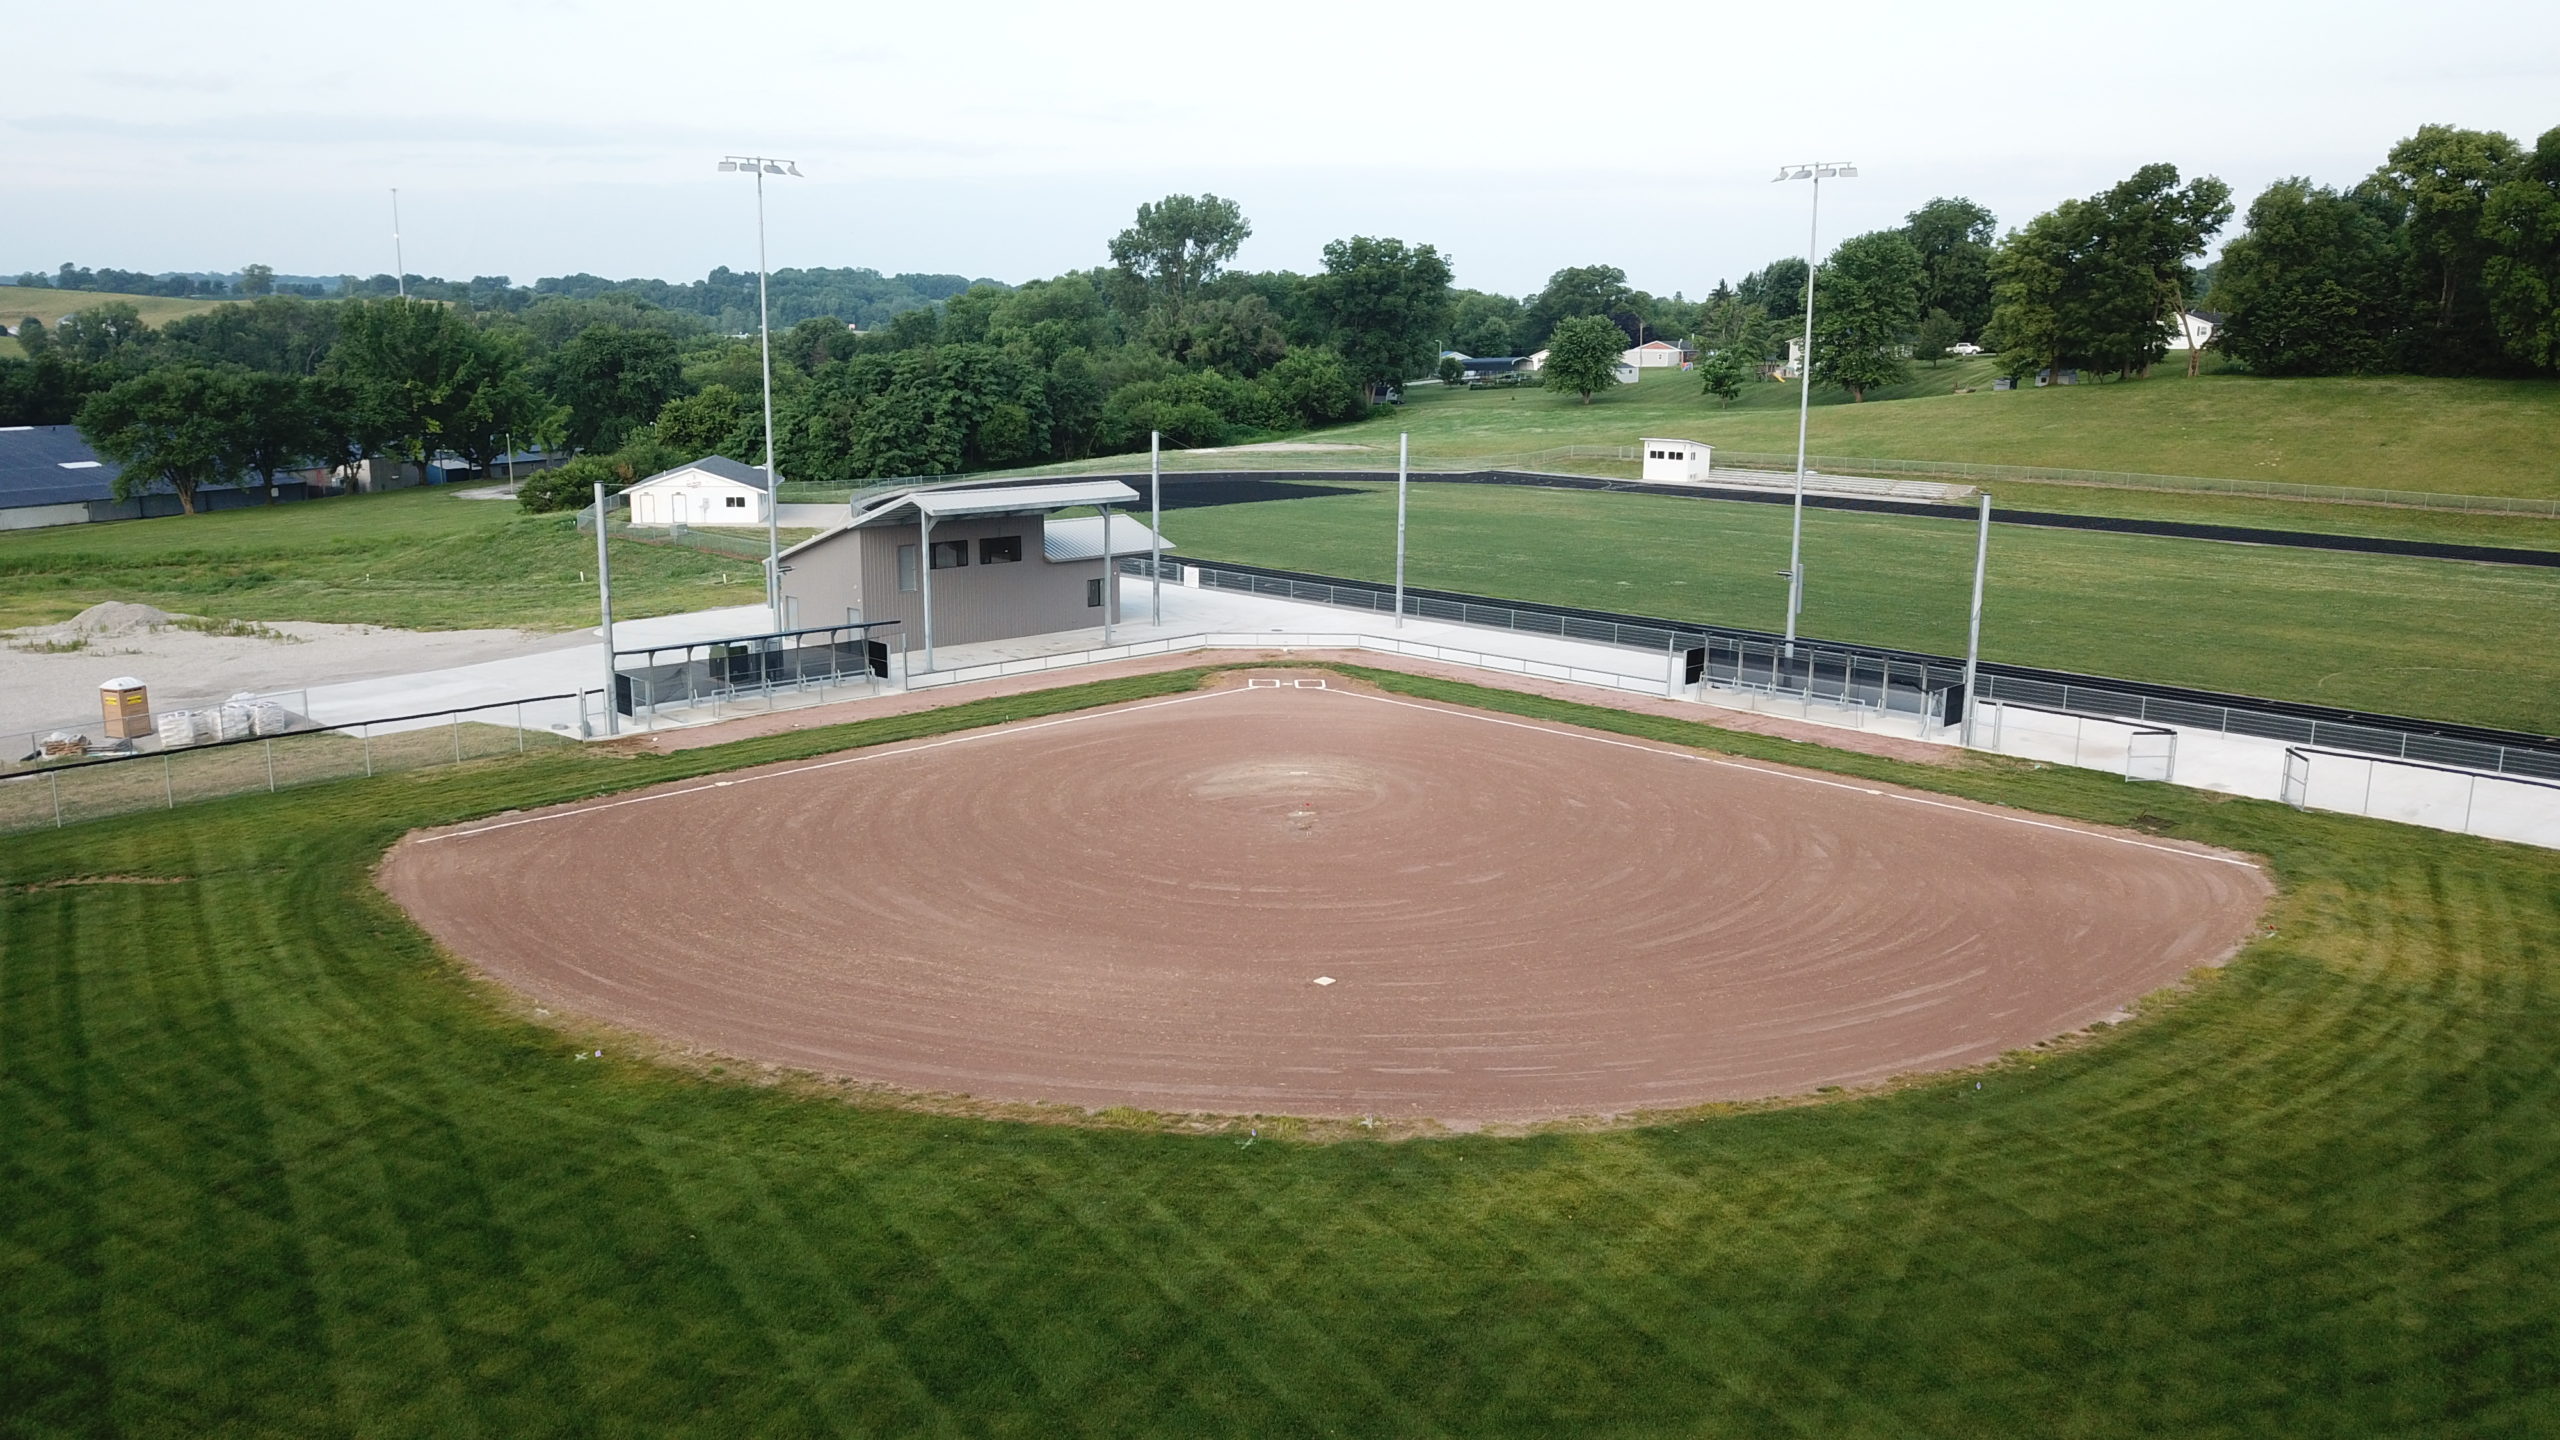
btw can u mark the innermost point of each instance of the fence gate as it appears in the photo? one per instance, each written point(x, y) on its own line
point(2296, 789)
point(2151, 753)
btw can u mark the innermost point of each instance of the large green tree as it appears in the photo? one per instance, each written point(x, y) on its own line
point(178, 426)
point(279, 333)
point(436, 382)
point(2097, 282)
point(109, 331)
point(1484, 324)
point(613, 381)
point(2522, 272)
point(274, 428)
point(1572, 291)
point(715, 421)
point(2312, 284)
point(2441, 178)
point(1953, 237)
point(1866, 303)
point(1178, 245)
point(1776, 289)
point(1385, 306)
point(1583, 355)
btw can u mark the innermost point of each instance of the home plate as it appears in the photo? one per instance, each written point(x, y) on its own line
point(1324, 979)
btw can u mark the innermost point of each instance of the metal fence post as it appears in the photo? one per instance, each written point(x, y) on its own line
point(364, 732)
point(457, 737)
point(53, 780)
point(168, 789)
point(270, 747)
point(519, 727)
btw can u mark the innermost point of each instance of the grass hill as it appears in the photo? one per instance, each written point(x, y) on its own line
point(2475, 437)
point(19, 301)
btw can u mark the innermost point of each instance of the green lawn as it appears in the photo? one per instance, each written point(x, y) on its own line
point(271, 1165)
point(2437, 639)
point(420, 558)
point(2476, 437)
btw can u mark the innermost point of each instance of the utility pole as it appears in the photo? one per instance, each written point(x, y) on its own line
point(399, 263)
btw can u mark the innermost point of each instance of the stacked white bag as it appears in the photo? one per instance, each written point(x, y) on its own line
point(184, 727)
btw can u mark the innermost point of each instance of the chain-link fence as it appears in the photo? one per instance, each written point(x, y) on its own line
point(45, 792)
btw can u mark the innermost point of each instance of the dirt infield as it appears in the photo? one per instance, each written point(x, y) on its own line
point(1323, 902)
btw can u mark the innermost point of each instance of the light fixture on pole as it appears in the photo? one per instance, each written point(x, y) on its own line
point(1817, 173)
point(760, 166)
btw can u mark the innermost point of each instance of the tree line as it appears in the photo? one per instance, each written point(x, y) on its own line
point(1164, 337)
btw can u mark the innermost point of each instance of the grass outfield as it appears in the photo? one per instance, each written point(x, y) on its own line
point(2474, 437)
point(419, 558)
point(2432, 638)
point(20, 301)
point(271, 1165)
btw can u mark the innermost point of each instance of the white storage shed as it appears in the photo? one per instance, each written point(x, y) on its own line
point(1675, 459)
point(714, 490)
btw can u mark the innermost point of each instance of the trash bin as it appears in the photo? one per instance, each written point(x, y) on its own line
point(127, 708)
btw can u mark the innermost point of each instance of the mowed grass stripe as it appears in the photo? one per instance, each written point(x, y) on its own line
point(2318, 1194)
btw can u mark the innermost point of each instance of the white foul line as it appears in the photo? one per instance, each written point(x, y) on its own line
point(991, 731)
point(1960, 808)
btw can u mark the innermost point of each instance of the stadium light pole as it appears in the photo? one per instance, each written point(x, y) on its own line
point(1973, 636)
point(1404, 443)
point(1817, 173)
point(399, 263)
point(1155, 522)
point(761, 166)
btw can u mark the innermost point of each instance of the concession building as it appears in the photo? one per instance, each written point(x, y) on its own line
point(954, 566)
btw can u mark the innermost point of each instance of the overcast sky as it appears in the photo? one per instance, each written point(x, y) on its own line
point(541, 137)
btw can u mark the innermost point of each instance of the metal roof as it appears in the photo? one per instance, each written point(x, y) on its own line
point(1080, 538)
point(1017, 499)
point(994, 500)
point(717, 465)
point(51, 465)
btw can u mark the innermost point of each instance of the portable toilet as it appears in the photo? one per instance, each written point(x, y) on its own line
point(126, 708)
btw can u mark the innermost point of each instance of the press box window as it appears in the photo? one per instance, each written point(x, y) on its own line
point(1000, 550)
point(950, 554)
point(906, 569)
